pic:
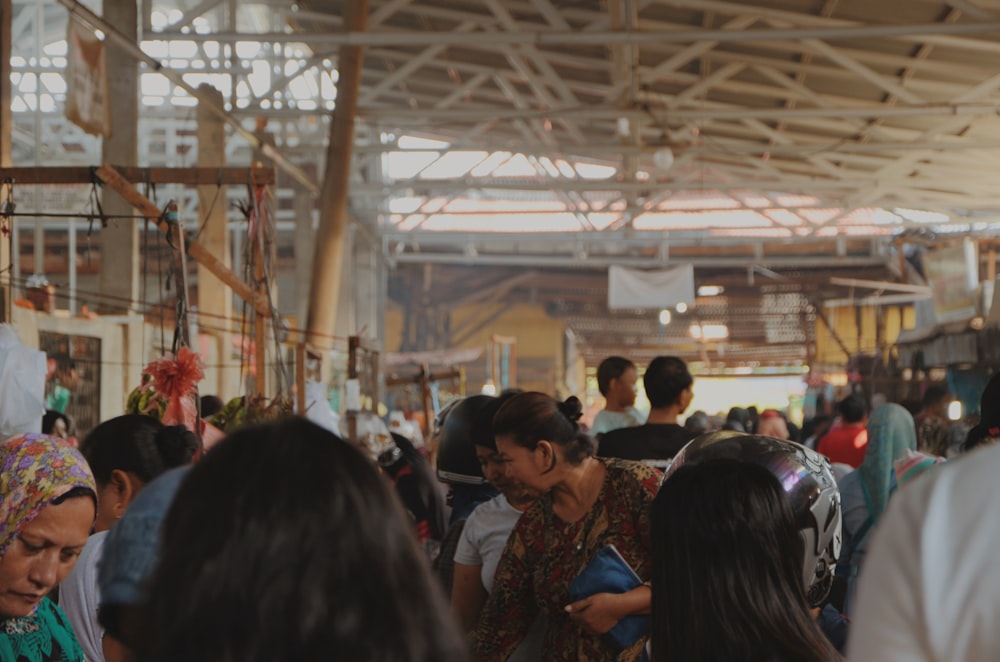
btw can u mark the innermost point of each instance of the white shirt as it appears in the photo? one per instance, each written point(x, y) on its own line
point(485, 536)
point(931, 589)
point(79, 598)
point(483, 541)
point(606, 421)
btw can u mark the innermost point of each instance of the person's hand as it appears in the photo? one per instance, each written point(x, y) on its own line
point(598, 613)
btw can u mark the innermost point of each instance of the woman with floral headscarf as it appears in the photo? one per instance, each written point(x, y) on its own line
point(864, 493)
point(49, 501)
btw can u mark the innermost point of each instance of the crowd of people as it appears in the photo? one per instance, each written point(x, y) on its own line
point(675, 536)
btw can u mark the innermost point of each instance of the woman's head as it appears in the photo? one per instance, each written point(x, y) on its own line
point(891, 432)
point(290, 529)
point(129, 451)
point(490, 460)
point(47, 509)
point(535, 433)
point(727, 568)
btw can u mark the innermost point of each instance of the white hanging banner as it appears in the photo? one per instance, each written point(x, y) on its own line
point(953, 274)
point(87, 102)
point(632, 288)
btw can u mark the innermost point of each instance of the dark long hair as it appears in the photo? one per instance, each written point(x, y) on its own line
point(531, 417)
point(284, 543)
point(137, 444)
point(727, 570)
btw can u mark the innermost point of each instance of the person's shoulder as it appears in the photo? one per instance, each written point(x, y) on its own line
point(631, 472)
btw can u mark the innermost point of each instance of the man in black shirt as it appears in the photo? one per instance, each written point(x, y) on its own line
point(668, 387)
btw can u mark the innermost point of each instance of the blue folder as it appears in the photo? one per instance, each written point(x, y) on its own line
point(608, 572)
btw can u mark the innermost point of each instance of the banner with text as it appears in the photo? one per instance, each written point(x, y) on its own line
point(87, 103)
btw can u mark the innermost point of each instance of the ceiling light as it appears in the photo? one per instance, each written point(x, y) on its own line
point(710, 290)
point(709, 331)
point(682, 307)
point(663, 158)
point(664, 317)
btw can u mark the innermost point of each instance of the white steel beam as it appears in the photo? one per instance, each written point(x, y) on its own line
point(544, 38)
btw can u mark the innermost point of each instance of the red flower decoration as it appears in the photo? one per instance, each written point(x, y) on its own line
point(176, 378)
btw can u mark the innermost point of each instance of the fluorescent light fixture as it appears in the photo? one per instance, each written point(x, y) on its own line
point(709, 331)
point(710, 290)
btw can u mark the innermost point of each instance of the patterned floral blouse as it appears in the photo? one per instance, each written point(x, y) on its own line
point(545, 553)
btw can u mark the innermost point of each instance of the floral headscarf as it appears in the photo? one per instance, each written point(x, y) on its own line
point(891, 433)
point(34, 470)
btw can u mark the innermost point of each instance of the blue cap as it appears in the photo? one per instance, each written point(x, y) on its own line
point(132, 546)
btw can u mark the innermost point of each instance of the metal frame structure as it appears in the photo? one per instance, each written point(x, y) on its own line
point(831, 128)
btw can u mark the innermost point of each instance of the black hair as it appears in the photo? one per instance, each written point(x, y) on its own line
point(482, 426)
point(852, 408)
point(49, 420)
point(933, 395)
point(210, 405)
point(738, 419)
point(284, 543)
point(75, 493)
point(139, 445)
point(665, 379)
point(727, 569)
point(610, 368)
point(531, 417)
point(697, 422)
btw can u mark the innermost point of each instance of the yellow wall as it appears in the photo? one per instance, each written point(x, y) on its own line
point(539, 348)
point(845, 323)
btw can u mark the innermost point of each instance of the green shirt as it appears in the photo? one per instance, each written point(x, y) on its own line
point(44, 636)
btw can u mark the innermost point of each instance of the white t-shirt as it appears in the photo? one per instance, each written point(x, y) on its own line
point(79, 598)
point(482, 543)
point(485, 535)
point(931, 590)
point(606, 421)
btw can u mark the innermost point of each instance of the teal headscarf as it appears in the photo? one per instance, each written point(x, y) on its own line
point(890, 433)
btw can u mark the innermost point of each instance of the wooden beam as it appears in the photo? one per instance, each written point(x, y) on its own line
point(255, 175)
point(331, 236)
point(145, 206)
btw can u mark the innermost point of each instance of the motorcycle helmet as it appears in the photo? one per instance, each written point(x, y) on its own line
point(808, 483)
point(456, 455)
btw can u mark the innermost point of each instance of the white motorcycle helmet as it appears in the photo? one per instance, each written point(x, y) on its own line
point(808, 483)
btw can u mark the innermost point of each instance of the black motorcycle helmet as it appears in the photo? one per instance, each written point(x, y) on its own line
point(456, 457)
point(808, 483)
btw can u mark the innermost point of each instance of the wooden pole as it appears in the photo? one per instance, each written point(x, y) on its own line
point(6, 139)
point(425, 397)
point(259, 325)
point(324, 289)
point(145, 206)
point(300, 378)
point(194, 176)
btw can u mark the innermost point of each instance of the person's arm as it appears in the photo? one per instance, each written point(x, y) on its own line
point(468, 595)
point(510, 609)
point(600, 612)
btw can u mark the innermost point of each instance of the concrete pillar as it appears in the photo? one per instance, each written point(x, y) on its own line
point(215, 299)
point(119, 274)
point(6, 136)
